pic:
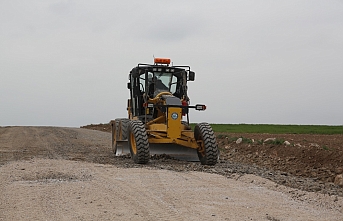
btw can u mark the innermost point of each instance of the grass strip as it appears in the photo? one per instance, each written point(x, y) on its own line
point(276, 128)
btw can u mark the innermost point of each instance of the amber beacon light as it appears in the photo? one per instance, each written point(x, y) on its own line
point(162, 60)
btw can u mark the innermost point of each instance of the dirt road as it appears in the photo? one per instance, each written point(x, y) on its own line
point(49, 173)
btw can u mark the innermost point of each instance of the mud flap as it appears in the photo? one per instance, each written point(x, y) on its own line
point(176, 151)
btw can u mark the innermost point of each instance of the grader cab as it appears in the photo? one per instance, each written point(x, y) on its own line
point(158, 117)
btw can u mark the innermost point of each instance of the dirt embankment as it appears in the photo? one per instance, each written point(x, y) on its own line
point(317, 159)
point(49, 173)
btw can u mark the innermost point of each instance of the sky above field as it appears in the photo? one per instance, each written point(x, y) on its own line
point(66, 63)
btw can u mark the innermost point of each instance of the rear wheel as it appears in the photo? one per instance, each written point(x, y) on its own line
point(114, 135)
point(138, 142)
point(119, 131)
point(208, 148)
point(124, 125)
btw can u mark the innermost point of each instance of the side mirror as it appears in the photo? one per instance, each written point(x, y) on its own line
point(191, 76)
point(129, 85)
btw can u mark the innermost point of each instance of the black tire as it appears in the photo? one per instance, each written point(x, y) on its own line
point(138, 142)
point(120, 126)
point(124, 128)
point(208, 148)
point(114, 126)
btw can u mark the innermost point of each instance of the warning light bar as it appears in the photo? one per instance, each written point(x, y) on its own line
point(162, 60)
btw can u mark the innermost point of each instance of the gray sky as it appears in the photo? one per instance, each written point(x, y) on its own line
point(66, 63)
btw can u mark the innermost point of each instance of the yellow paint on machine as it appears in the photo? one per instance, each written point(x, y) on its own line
point(158, 127)
point(174, 122)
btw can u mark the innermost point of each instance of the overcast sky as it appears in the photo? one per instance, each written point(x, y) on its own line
point(66, 63)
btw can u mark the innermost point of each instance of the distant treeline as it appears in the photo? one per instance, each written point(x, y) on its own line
point(276, 129)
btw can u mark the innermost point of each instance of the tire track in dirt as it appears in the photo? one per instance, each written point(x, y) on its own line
point(146, 192)
point(25, 143)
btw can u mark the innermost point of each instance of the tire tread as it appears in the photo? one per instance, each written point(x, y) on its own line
point(204, 132)
point(142, 156)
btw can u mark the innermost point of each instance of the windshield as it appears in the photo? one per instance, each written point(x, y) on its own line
point(159, 82)
point(165, 82)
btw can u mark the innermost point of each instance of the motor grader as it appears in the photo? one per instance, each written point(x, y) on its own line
point(158, 117)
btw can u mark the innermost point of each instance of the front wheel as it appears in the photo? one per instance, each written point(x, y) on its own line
point(138, 142)
point(208, 148)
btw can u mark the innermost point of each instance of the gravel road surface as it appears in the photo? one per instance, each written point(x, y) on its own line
point(51, 173)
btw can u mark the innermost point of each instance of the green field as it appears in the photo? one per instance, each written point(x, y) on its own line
point(276, 129)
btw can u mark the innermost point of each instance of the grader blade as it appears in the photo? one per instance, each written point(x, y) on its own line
point(176, 151)
point(173, 150)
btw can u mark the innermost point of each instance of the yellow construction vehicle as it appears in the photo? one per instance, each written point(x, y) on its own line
point(156, 108)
